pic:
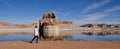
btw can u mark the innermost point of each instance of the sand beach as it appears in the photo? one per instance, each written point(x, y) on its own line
point(60, 45)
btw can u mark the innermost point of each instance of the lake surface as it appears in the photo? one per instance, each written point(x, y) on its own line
point(81, 36)
point(19, 37)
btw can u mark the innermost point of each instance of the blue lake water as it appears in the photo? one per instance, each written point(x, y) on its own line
point(79, 37)
point(82, 37)
point(16, 38)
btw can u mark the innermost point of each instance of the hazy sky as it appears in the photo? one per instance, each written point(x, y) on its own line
point(77, 11)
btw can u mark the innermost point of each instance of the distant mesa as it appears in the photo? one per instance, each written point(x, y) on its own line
point(103, 25)
point(66, 22)
point(10, 25)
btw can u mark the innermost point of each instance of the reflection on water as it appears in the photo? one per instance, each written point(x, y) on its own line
point(76, 35)
point(101, 33)
point(97, 36)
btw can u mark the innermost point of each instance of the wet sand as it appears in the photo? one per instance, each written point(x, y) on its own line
point(60, 45)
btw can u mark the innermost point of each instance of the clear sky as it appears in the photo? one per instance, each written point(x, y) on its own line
point(77, 11)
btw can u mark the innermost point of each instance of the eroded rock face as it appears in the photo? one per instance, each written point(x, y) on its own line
point(52, 26)
point(49, 19)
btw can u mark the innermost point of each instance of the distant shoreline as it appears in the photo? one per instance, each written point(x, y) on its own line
point(13, 31)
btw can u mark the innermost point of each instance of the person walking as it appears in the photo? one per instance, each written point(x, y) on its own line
point(36, 34)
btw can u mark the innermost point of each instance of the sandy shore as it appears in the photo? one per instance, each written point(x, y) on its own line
point(60, 45)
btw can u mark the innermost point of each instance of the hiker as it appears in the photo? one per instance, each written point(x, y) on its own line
point(36, 34)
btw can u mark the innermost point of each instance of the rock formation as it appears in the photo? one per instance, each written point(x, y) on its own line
point(54, 28)
point(49, 19)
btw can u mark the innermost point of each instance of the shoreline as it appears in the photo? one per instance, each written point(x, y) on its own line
point(60, 45)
